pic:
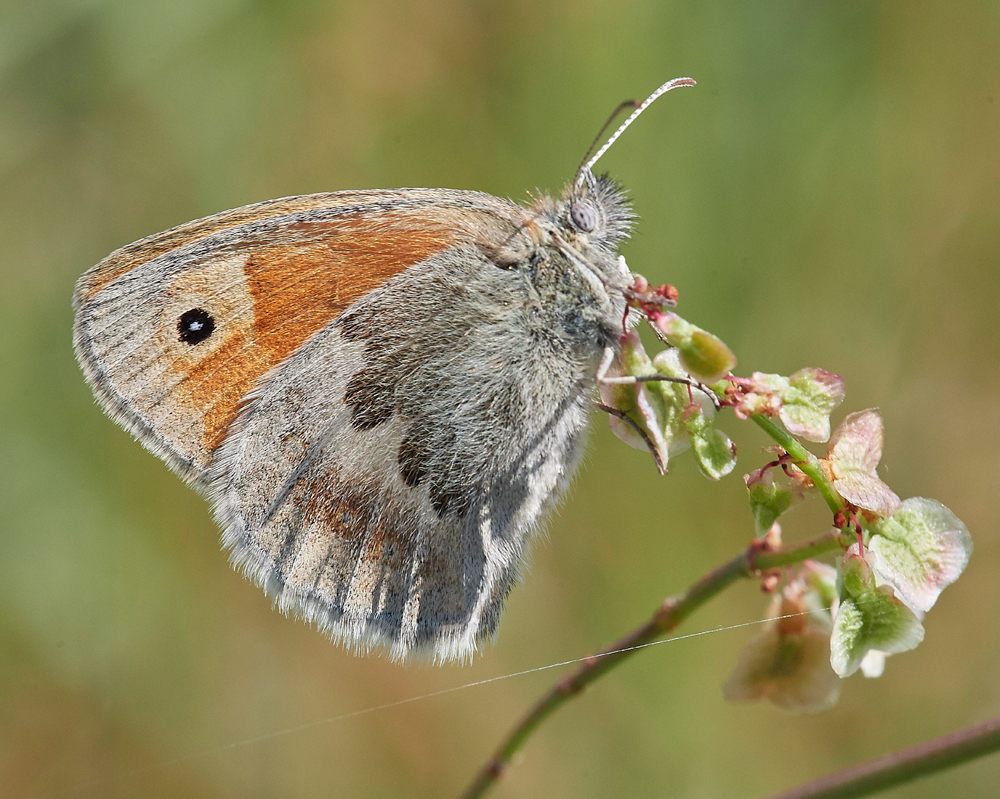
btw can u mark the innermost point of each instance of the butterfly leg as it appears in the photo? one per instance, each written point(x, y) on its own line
point(602, 371)
point(627, 380)
point(660, 467)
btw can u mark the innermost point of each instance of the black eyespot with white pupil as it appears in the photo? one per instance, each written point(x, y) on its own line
point(584, 216)
point(195, 326)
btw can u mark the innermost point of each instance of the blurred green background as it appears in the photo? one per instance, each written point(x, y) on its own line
point(828, 195)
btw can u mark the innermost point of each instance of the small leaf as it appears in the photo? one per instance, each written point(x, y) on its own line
point(806, 405)
point(874, 619)
point(715, 453)
point(921, 549)
point(857, 444)
point(768, 501)
point(852, 457)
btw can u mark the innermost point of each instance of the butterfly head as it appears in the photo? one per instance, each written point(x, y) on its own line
point(596, 212)
point(593, 216)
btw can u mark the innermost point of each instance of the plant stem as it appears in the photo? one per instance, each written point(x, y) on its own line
point(670, 614)
point(900, 767)
point(804, 459)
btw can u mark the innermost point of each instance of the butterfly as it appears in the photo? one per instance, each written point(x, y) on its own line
point(380, 392)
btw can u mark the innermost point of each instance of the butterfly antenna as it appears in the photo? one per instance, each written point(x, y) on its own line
point(587, 167)
point(604, 127)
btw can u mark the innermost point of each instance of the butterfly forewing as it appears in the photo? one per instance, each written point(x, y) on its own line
point(261, 280)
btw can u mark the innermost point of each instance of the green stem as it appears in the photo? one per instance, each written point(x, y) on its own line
point(670, 614)
point(804, 459)
point(903, 766)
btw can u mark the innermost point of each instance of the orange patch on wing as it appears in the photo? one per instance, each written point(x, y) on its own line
point(296, 290)
point(221, 381)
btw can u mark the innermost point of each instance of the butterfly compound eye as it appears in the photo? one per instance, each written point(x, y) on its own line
point(584, 216)
point(195, 326)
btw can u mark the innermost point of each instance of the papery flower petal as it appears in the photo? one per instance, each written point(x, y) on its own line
point(807, 402)
point(652, 414)
point(624, 431)
point(921, 549)
point(633, 400)
point(852, 457)
point(622, 396)
point(857, 443)
point(867, 491)
point(793, 672)
point(668, 363)
point(671, 415)
point(873, 619)
point(674, 399)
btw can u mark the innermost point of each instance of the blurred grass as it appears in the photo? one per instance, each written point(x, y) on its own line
point(828, 195)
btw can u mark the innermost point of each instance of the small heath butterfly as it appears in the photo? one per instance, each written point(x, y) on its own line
point(379, 391)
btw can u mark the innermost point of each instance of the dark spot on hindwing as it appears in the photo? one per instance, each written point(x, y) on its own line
point(195, 326)
point(371, 396)
point(340, 506)
point(424, 455)
point(427, 455)
point(452, 488)
point(414, 456)
point(448, 498)
point(370, 393)
point(356, 326)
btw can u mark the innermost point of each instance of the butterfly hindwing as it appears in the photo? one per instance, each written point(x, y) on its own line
point(382, 481)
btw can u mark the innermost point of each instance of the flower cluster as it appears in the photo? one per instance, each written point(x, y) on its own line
point(826, 622)
point(666, 414)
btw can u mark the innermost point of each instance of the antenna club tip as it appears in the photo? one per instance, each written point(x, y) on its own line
point(639, 108)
